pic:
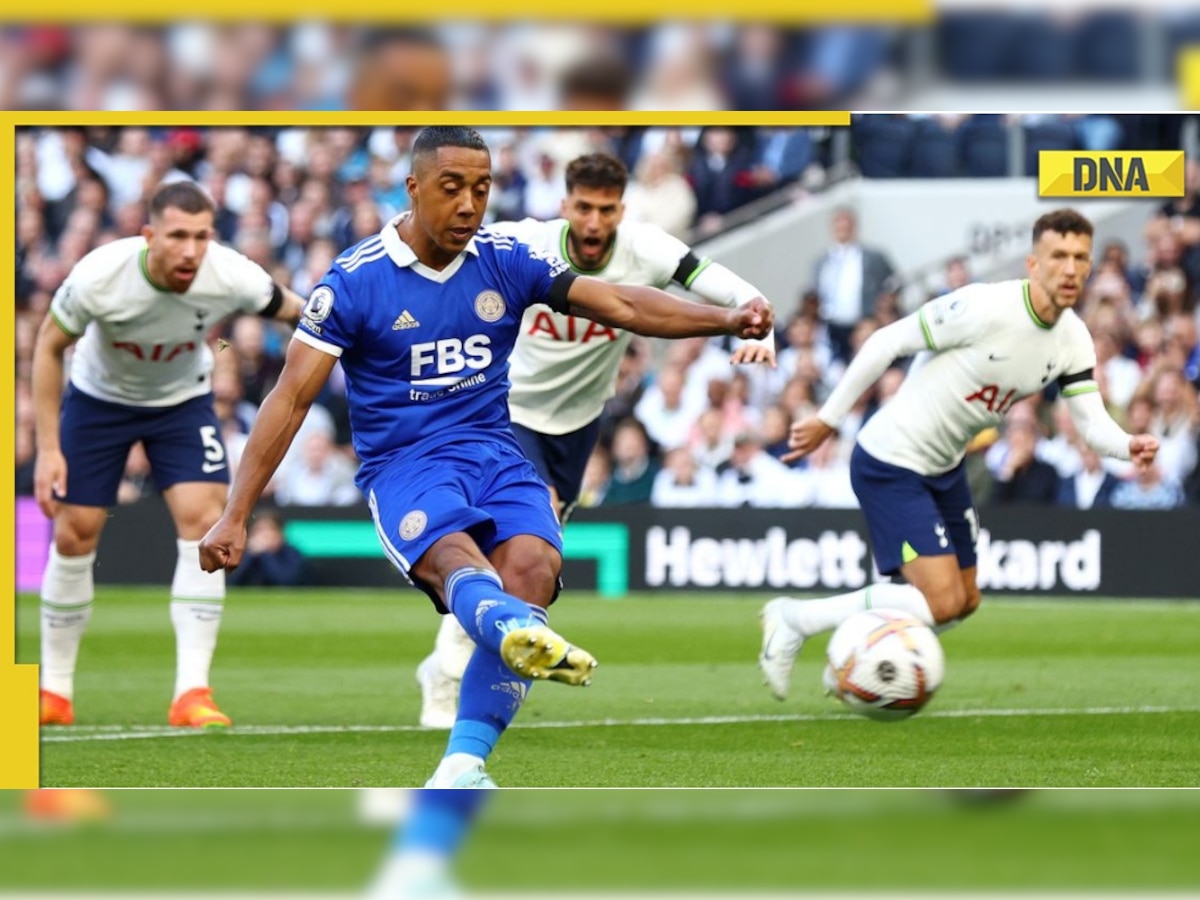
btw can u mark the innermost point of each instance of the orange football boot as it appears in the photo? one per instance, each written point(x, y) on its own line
point(55, 709)
point(196, 709)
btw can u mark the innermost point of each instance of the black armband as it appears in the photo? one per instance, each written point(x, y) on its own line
point(559, 288)
point(276, 302)
point(689, 268)
point(1085, 375)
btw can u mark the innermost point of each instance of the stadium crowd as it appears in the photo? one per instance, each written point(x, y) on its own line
point(198, 65)
point(685, 428)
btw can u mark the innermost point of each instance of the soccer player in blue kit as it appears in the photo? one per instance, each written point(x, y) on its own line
point(423, 317)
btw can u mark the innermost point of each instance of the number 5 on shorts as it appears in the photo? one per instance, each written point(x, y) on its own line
point(214, 450)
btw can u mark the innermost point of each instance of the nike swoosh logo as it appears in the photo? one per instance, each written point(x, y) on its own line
point(209, 468)
point(994, 358)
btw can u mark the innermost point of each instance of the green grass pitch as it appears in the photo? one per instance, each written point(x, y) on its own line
point(1078, 693)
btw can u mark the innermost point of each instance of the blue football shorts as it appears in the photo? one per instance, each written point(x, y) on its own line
point(183, 443)
point(488, 490)
point(910, 515)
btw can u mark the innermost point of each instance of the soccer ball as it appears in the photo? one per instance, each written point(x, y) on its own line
point(884, 664)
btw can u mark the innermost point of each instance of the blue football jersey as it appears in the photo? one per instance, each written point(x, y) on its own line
point(425, 352)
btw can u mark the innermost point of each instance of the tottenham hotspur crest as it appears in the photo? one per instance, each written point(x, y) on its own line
point(489, 306)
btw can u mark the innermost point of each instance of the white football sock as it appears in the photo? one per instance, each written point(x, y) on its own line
point(811, 617)
point(453, 647)
point(196, 605)
point(67, 592)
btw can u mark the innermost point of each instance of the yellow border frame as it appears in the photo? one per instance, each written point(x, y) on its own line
point(18, 683)
point(620, 12)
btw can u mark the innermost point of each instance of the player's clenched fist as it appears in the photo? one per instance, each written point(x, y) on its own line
point(754, 319)
point(1142, 449)
point(223, 546)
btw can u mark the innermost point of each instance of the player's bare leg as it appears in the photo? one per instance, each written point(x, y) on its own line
point(67, 592)
point(197, 601)
point(937, 594)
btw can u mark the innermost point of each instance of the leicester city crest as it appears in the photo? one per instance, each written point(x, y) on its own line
point(413, 524)
point(489, 306)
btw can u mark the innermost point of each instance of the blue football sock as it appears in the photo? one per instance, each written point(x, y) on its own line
point(488, 699)
point(477, 599)
point(438, 821)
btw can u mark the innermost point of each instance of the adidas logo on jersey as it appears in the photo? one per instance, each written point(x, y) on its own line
point(405, 320)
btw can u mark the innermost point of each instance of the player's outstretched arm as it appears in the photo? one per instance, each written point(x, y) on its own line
point(722, 287)
point(902, 338)
point(279, 418)
point(654, 313)
point(50, 470)
point(1101, 432)
point(292, 307)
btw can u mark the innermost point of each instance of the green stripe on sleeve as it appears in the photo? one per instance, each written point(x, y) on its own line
point(925, 329)
point(700, 268)
point(63, 325)
point(1084, 388)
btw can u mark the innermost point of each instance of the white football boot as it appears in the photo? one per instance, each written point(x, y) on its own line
point(780, 644)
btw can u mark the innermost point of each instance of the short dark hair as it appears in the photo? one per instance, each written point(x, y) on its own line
point(185, 196)
point(597, 171)
point(433, 138)
point(1062, 221)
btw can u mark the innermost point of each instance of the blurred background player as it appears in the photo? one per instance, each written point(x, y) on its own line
point(982, 348)
point(564, 368)
point(140, 309)
point(423, 317)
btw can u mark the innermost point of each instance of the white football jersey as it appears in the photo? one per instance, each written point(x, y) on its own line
point(986, 349)
point(564, 368)
point(142, 346)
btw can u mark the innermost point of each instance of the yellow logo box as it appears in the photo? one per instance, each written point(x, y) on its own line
point(1115, 173)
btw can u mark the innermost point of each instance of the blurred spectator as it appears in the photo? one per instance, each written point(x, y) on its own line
point(1022, 477)
point(322, 476)
point(776, 426)
point(659, 194)
point(710, 444)
point(1091, 486)
point(1175, 423)
point(666, 410)
point(752, 477)
point(633, 468)
point(1149, 489)
point(544, 189)
point(721, 175)
point(781, 156)
point(849, 276)
point(956, 275)
point(269, 561)
point(258, 365)
point(1180, 217)
point(683, 482)
point(507, 200)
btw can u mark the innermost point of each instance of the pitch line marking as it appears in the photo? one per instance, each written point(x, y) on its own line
point(79, 733)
